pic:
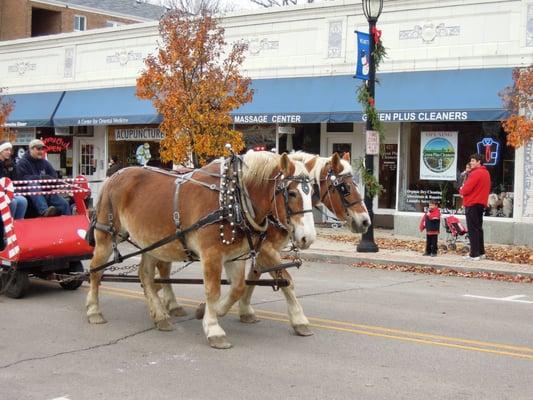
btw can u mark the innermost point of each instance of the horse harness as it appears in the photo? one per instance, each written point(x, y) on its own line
point(338, 183)
point(235, 208)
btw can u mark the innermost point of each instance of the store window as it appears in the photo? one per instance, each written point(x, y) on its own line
point(306, 137)
point(388, 162)
point(58, 151)
point(433, 156)
point(136, 145)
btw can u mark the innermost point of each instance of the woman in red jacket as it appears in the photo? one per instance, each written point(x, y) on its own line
point(475, 192)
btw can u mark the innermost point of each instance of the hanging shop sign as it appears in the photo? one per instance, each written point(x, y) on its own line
point(438, 156)
point(363, 55)
point(138, 134)
point(489, 150)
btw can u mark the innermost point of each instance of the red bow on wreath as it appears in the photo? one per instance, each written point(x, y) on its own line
point(371, 101)
point(376, 33)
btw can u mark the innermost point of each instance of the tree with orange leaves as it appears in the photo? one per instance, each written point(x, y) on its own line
point(194, 88)
point(6, 106)
point(518, 99)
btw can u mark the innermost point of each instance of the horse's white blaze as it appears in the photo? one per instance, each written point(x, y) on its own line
point(304, 229)
point(359, 221)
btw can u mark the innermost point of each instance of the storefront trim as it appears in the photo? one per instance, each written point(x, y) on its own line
point(425, 96)
point(33, 109)
point(112, 106)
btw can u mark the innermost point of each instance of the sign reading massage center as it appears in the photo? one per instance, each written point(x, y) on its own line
point(438, 156)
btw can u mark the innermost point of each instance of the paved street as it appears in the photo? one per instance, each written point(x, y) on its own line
point(378, 335)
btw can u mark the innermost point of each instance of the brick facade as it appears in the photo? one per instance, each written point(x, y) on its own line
point(16, 19)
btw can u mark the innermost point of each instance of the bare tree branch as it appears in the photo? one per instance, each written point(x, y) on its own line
point(196, 7)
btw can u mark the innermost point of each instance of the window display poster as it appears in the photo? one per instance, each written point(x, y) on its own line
point(438, 156)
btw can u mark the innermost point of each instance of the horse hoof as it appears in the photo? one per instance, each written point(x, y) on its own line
point(249, 318)
point(96, 319)
point(303, 330)
point(164, 325)
point(200, 311)
point(219, 342)
point(178, 312)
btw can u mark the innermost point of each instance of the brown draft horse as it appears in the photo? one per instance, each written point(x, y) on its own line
point(141, 203)
point(339, 193)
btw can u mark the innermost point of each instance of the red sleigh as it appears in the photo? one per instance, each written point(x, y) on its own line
point(41, 247)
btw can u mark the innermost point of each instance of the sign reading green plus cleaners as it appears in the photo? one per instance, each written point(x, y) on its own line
point(438, 156)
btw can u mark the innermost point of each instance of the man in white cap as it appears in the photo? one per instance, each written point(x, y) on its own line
point(34, 166)
point(18, 204)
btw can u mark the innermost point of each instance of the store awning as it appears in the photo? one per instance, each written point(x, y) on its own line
point(456, 95)
point(33, 109)
point(113, 106)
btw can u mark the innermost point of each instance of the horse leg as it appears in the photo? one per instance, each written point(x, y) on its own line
point(270, 257)
point(212, 270)
point(157, 310)
point(297, 318)
point(168, 298)
point(102, 251)
point(246, 311)
point(235, 274)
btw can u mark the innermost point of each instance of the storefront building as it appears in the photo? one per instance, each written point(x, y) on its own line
point(437, 96)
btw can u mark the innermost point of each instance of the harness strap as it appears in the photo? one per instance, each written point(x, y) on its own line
point(207, 220)
point(177, 182)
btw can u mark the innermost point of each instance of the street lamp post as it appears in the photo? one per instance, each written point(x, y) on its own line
point(372, 10)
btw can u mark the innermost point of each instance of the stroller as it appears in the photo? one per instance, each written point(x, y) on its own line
point(456, 232)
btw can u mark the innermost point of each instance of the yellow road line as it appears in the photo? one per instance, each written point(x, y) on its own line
point(367, 330)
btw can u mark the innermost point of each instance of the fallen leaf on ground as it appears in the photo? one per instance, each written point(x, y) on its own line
point(446, 272)
point(505, 253)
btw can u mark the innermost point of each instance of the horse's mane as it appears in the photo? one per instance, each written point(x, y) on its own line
point(320, 163)
point(299, 168)
point(258, 167)
point(261, 165)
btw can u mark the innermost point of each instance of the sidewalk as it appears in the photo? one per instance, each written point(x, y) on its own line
point(331, 250)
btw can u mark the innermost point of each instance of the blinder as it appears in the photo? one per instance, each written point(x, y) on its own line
point(315, 197)
point(339, 183)
point(283, 188)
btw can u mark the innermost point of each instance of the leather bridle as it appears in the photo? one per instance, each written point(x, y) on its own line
point(282, 187)
point(338, 183)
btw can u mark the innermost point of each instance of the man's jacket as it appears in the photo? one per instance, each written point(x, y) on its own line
point(29, 168)
point(476, 188)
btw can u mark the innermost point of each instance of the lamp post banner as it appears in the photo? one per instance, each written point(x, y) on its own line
point(362, 68)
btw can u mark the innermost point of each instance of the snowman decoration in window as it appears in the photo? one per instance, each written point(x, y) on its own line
point(143, 154)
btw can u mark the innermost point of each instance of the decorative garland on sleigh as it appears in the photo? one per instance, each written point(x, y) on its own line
point(368, 103)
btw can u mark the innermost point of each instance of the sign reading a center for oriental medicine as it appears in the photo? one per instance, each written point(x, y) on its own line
point(363, 55)
point(438, 156)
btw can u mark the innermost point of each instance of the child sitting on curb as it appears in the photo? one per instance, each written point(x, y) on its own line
point(431, 223)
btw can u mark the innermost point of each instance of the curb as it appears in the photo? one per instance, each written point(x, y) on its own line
point(340, 259)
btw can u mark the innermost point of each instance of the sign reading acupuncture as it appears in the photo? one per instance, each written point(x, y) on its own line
point(138, 134)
